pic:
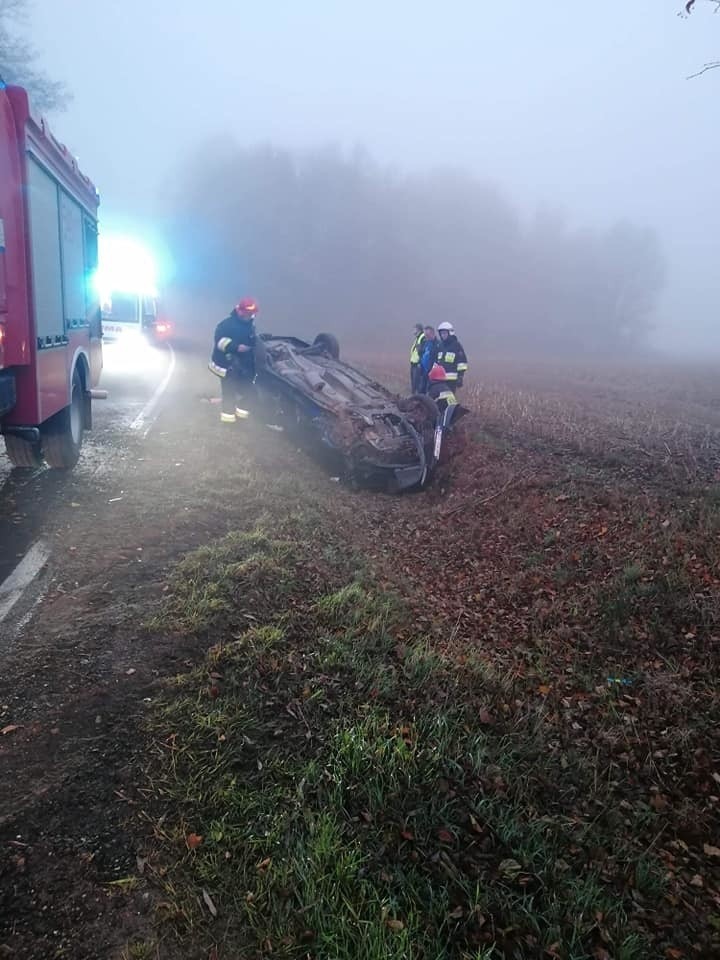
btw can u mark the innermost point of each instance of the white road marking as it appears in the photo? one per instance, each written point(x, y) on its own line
point(145, 419)
point(27, 617)
point(22, 576)
point(15, 585)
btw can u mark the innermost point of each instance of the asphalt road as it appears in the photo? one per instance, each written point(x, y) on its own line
point(31, 502)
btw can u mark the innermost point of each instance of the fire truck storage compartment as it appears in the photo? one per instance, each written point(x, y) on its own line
point(45, 254)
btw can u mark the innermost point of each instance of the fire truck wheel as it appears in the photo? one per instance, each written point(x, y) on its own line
point(62, 435)
point(23, 453)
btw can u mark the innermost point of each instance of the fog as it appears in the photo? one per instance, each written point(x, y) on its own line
point(579, 114)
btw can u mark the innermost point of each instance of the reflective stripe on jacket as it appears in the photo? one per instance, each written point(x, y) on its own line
point(451, 357)
point(231, 333)
point(416, 348)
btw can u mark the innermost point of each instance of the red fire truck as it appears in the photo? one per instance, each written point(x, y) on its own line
point(50, 322)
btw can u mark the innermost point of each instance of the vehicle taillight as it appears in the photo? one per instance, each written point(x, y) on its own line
point(163, 328)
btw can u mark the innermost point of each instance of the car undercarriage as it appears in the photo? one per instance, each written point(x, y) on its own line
point(374, 437)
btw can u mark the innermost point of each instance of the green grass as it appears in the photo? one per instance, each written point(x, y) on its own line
point(209, 583)
point(352, 801)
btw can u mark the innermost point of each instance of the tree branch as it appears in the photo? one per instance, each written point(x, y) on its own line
point(713, 65)
point(688, 7)
point(18, 59)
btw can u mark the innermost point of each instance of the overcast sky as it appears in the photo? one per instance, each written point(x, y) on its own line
point(578, 107)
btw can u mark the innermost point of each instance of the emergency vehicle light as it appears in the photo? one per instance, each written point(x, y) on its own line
point(126, 266)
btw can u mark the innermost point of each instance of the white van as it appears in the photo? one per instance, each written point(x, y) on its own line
point(132, 316)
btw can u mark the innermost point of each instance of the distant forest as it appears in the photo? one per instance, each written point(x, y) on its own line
point(333, 241)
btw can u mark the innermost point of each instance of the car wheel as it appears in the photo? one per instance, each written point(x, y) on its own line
point(329, 344)
point(421, 405)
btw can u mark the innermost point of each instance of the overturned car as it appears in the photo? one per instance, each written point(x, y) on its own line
point(372, 437)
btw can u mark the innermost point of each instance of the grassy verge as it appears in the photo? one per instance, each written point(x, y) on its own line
point(328, 786)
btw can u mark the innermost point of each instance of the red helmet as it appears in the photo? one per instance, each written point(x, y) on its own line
point(437, 373)
point(247, 307)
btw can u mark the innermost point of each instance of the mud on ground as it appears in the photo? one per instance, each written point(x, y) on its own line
point(536, 560)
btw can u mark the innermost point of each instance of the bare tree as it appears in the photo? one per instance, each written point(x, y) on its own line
point(712, 64)
point(18, 59)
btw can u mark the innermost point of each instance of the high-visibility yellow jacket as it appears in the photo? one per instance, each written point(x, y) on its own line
point(416, 348)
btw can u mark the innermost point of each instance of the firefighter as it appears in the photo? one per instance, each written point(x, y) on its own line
point(451, 356)
point(233, 359)
point(416, 374)
point(440, 389)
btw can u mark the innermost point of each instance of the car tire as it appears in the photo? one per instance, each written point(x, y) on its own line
point(422, 400)
point(23, 454)
point(329, 344)
point(62, 435)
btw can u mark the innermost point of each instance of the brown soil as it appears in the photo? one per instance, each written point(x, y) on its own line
point(77, 685)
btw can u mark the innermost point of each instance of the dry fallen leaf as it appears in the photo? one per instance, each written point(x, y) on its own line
point(475, 825)
point(407, 834)
point(509, 869)
point(10, 728)
point(710, 851)
point(445, 836)
point(544, 689)
point(395, 925)
point(697, 881)
point(193, 841)
point(209, 903)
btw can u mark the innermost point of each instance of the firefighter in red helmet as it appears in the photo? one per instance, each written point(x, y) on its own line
point(441, 388)
point(233, 359)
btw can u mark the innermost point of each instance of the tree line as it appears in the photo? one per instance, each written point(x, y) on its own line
point(332, 240)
